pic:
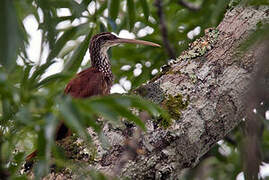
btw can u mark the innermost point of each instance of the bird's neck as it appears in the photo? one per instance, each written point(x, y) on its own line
point(100, 61)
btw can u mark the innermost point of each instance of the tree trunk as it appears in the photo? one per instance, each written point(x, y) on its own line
point(203, 91)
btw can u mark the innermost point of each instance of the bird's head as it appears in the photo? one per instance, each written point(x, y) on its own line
point(103, 41)
point(99, 45)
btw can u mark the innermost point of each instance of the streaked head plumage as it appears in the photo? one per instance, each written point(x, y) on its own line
point(99, 45)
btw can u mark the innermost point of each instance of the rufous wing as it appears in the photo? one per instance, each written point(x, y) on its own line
point(89, 82)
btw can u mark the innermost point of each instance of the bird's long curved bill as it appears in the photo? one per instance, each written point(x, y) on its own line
point(134, 41)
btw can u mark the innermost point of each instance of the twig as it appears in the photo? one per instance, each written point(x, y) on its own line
point(163, 30)
point(188, 5)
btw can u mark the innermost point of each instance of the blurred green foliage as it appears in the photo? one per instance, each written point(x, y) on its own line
point(32, 104)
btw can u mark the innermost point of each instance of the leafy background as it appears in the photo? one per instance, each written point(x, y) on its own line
point(32, 102)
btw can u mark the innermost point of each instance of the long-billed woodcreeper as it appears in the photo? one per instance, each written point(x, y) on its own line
point(98, 79)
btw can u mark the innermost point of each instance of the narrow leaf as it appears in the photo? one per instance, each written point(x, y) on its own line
point(77, 57)
point(7, 111)
point(18, 158)
point(71, 117)
point(10, 36)
point(110, 108)
point(49, 23)
point(42, 166)
point(152, 108)
point(145, 8)
point(131, 13)
point(50, 128)
point(124, 112)
point(113, 8)
point(50, 79)
point(40, 71)
point(104, 109)
point(26, 73)
point(68, 34)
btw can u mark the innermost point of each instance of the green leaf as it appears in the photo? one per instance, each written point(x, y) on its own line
point(21, 177)
point(24, 116)
point(131, 13)
point(140, 103)
point(86, 2)
point(49, 23)
point(145, 8)
point(50, 79)
point(10, 36)
point(41, 169)
point(109, 108)
point(24, 8)
point(42, 166)
point(50, 128)
point(66, 50)
point(101, 9)
point(219, 11)
point(124, 112)
point(113, 8)
point(6, 109)
point(72, 117)
point(68, 34)
point(18, 158)
point(77, 57)
point(103, 108)
point(96, 175)
point(40, 70)
point(258, 2)
point(145, 105)
point(26, 74)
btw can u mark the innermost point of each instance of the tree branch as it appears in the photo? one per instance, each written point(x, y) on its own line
point(212, 85)
point(203, 92)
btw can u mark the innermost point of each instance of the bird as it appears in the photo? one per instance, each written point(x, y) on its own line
point(97, 79)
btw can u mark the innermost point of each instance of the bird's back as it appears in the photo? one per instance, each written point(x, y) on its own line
point(89, 82)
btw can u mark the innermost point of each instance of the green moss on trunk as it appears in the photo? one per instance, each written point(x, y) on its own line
point(175, 104)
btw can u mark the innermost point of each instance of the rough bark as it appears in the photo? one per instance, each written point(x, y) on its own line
point(203, 91)
point(211, 86)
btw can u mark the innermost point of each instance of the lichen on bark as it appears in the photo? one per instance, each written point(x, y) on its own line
point(151, 91)
point(175, 104)
point(200, 46)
